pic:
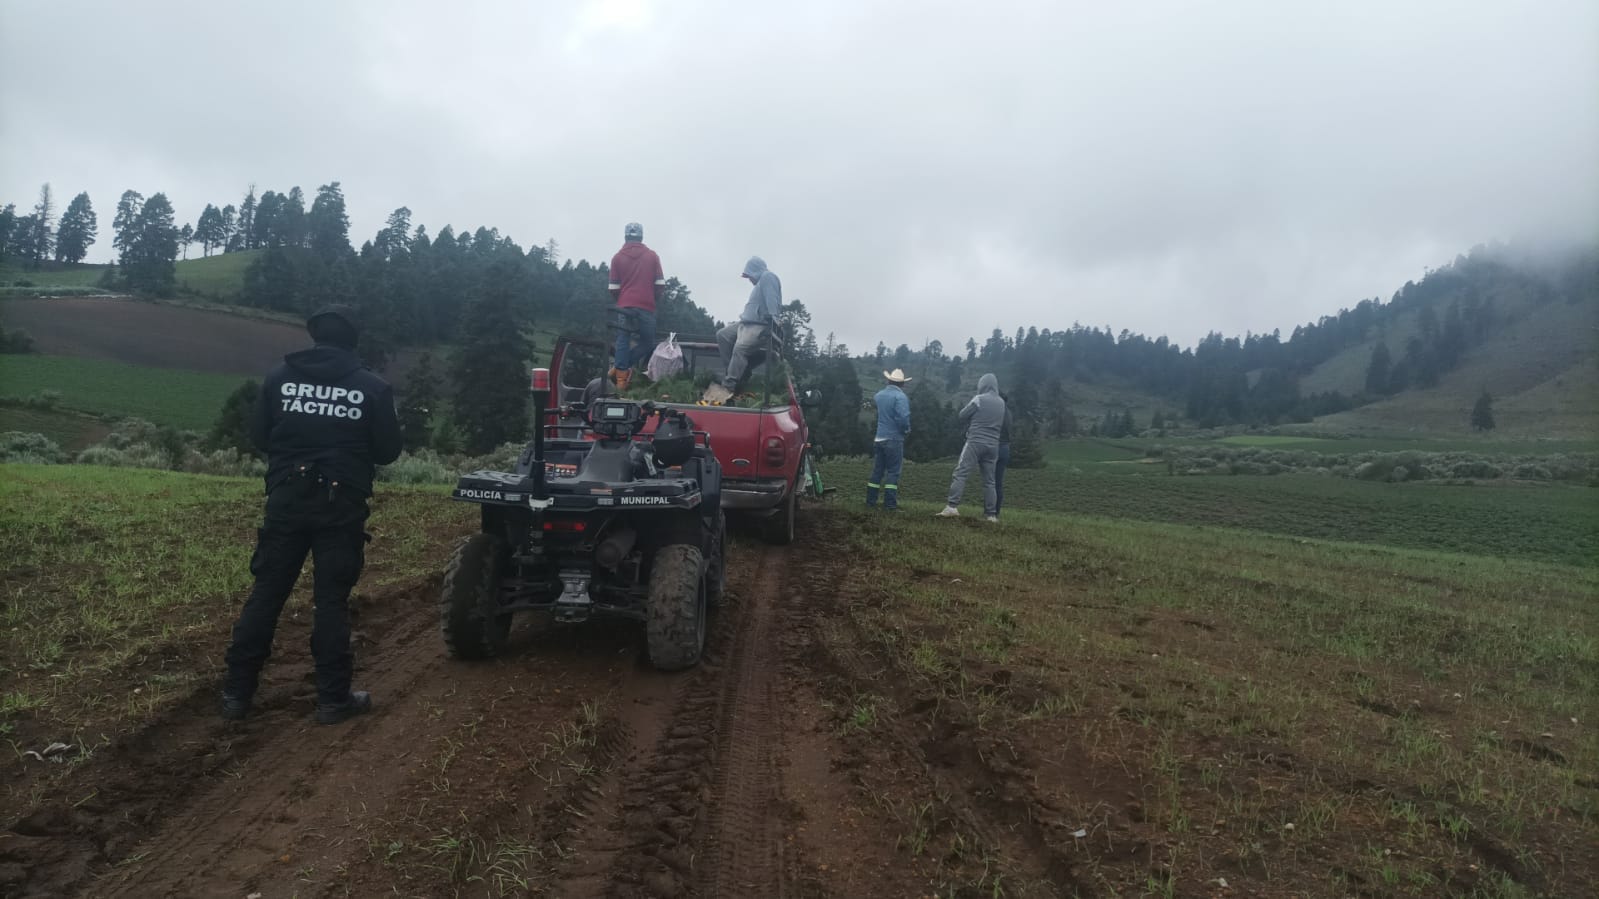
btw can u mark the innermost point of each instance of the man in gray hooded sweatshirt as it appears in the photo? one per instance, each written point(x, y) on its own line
point(984, 416)
point(739, 340)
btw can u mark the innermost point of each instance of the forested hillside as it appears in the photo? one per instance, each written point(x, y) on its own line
point(1506, 323)
point(1499, 319)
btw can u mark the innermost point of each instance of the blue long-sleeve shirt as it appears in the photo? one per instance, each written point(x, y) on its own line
point(893, 413)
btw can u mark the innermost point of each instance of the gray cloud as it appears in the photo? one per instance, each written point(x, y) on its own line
point(912, 170)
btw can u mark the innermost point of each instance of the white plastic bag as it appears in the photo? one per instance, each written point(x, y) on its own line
point(667, 360)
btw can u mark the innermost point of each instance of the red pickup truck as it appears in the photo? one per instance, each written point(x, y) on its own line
point(764, 450)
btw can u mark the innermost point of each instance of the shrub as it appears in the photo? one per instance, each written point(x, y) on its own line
point(225, 462)
point(502, 458)
point(44, 399)
point(30, 449)
point(137, 456)
point(15, 341)
point(422, 467)
point(135, 443)
point(1474, 469)
point(232, 427)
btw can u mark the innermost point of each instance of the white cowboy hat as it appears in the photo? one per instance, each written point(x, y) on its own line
point(897, 376)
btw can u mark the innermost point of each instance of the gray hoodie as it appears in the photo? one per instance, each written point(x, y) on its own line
point(766, 300)
point(984, 416)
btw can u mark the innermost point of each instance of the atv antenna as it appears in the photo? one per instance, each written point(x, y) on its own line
point(541, 396)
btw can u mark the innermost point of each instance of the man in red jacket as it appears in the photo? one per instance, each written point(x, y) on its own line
point(637, 282)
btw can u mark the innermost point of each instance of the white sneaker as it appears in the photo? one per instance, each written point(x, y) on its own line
point(992, 519)
point(716, 393)
point(949, 512)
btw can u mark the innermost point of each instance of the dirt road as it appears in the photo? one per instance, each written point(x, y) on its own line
point(566, 768)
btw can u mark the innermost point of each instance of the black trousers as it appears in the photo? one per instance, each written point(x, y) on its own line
point(302, 516)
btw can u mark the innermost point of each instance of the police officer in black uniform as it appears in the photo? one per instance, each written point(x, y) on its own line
point(324, 421)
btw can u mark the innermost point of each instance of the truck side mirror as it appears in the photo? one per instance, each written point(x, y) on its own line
point(810, 399)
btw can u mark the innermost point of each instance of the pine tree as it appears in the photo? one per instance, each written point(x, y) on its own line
point(490, 381)
point(1057, 410)
point(395, 235)
point(125, 225)
point(154, 248)
point(417, 405)
point(209, 230)
point(291, 218)
point(953, 373)
point(44, 235)
point(232, 427)
point(1026, 449)
point(931, 426)
point(330, 225)
point(1482, 414)
point(1378, 371)
point(185, 237)
point(244, 238)
point(266, 229)
point(8, 228)
point(839, 429)
point(78, 230)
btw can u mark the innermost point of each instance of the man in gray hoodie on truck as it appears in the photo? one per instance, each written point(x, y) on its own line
point(984, 416)
point(741, 339)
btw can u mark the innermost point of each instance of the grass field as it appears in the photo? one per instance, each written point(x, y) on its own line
point(1163, 704)
point(182, 399)
point(56, 275)
point(70, 430)
point(112, 575)
point(1485, 444)
point(218, 277)
point(1327, 718)
point(1114, 480)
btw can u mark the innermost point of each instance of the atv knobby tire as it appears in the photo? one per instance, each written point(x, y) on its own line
point(779, 527)
point(674, 628)
point(716, 567)
point(473, 625)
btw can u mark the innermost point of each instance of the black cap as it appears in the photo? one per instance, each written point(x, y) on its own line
point(335, 325)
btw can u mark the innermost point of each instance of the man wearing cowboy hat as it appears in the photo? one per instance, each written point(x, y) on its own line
point(888, 451)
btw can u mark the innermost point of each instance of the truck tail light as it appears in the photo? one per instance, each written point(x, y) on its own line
point(541, 380)
point(775, 452)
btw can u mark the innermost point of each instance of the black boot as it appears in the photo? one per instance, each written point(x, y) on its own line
point(234, 708)
point(359, 703)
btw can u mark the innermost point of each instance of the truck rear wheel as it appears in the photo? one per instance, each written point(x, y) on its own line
point(473, 626)
point(779, 528)
point(674, 628)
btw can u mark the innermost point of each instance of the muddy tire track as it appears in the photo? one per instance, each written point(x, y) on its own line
point(101, 816)
point(743, 852)
point(688, 788)
point(245, 821)
point(691, 803)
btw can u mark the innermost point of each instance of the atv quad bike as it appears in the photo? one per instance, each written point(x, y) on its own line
point(603, 523)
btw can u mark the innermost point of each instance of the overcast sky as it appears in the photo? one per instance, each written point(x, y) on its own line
point(911, 170)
